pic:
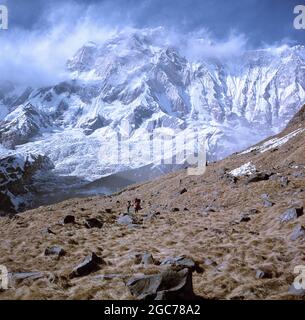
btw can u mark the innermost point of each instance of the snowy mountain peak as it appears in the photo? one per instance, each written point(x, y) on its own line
point(138, 79)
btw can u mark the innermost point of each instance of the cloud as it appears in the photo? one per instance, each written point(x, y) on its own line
point(38, 56)
point(202, 44)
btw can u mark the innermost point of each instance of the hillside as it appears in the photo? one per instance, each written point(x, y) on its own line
point(230, 223)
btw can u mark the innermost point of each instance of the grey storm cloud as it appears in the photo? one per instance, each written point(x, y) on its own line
point(263, 21)
point(42, 34)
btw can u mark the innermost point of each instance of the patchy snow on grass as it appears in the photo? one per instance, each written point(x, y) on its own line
point(246, 169)
point(273, 143)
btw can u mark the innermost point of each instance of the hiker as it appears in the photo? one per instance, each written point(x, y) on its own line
point(137, 205)
point(128, 206)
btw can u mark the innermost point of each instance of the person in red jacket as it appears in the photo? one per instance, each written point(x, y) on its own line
point(137, 205)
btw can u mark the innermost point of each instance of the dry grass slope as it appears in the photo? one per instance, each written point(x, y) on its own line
point(230, 253)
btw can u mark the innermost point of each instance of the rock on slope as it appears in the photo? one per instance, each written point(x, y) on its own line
point(239, 228)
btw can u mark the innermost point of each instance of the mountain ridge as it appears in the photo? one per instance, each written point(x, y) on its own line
point(138, 81)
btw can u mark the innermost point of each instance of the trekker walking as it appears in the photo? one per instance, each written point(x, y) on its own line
point(137, 205)
point(128, 206)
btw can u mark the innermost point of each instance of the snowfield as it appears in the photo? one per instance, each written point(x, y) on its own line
point(274, 143)
point(245, 169)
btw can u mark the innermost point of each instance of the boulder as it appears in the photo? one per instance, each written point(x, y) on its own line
point(184, 190)
point(125, 219)
point(68, 219)
point(268, 203)
point(182, 262)
point(18, 277)
point(260, 274)
point(245, 218)
point(259, 176)
point(168, 285)
point(253, 212)
point(90, 264)
point(55, 250)
point(298, 232)
point(175, 209)
point(266, 272)
point(93, 223)
point(144, 258)
point(48, 230)
point(291, 214)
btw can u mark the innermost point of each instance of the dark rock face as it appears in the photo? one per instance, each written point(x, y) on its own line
point(25, 126)
point(168, 285)
point(93, 124)
point(55, 250)
point(291, 214)
point(16, 177)
point(90, 264)
point(93, 223)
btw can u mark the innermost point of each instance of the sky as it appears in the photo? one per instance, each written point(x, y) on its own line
point(43, 34)
point(262, 21)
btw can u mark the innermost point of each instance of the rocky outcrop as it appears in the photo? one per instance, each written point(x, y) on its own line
point(168, 285)
point(16, 179)
point(22, 125)
point(90, 264)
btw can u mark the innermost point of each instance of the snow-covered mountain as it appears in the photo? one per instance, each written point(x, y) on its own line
point(134, 85)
